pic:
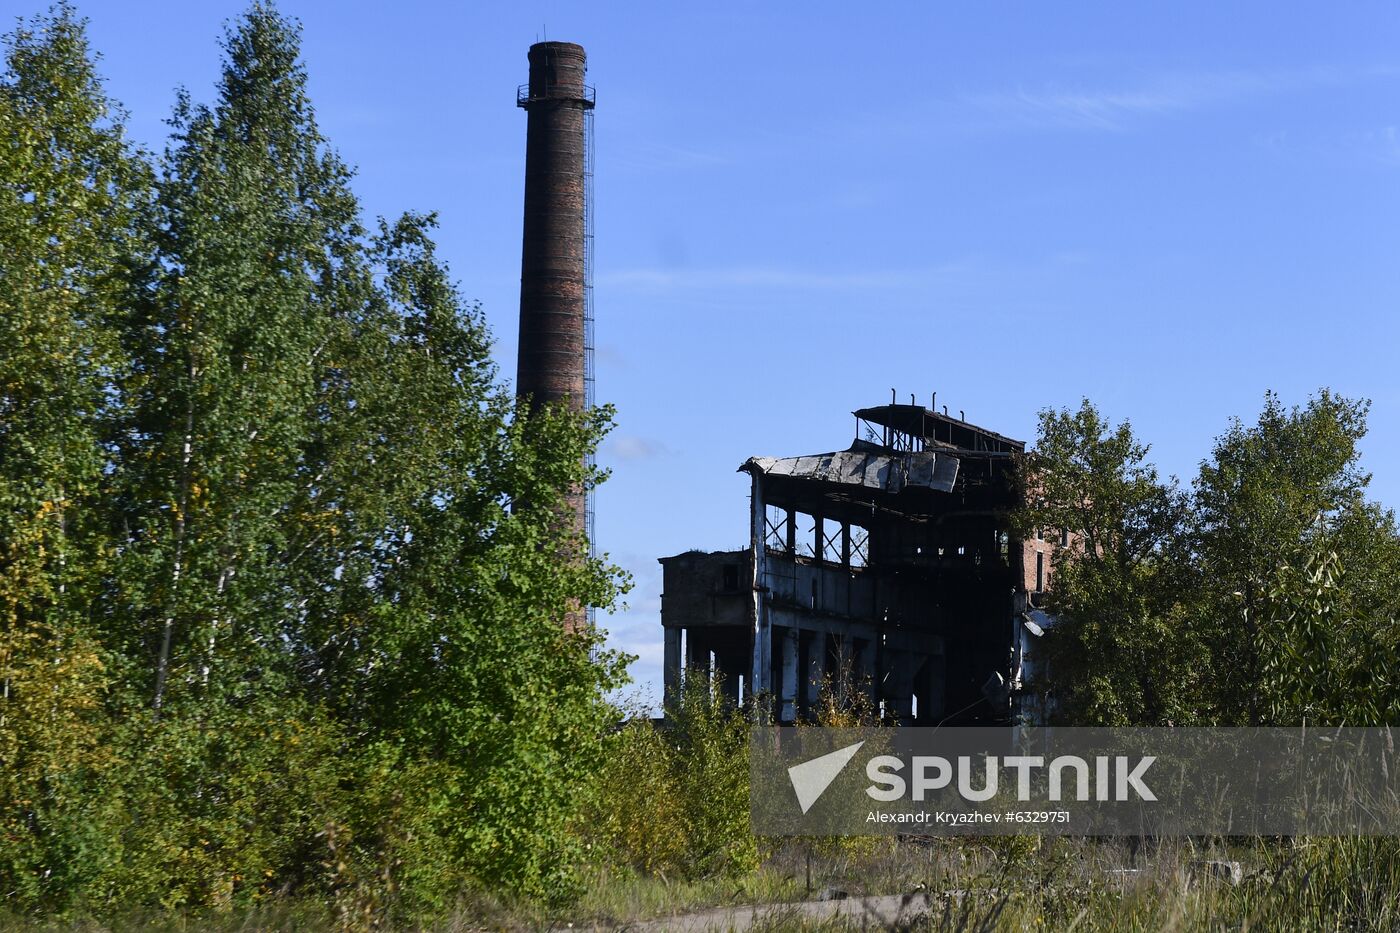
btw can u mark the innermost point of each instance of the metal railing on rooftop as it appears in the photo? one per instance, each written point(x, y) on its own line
point(523, 97)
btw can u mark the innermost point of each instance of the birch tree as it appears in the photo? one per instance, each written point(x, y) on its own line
point(73, 260)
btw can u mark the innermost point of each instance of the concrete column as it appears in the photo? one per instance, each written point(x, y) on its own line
point(671, 670)
point(762, 661)
point(787, 700)
point(691, 649)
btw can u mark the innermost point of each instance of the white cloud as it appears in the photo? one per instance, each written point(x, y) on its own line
point(638, 632)
point(660, 279)
point(1182, 92)
point(660, 157)
point(1382, 145)
point(635, 447)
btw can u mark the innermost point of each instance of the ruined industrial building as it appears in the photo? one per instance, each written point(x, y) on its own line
point(888, 567)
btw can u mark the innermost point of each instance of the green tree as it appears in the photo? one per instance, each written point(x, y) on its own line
point(338, 515)
point(1299, 571)
point(73, 259)
point(1269, 596)
point(443, 634)
point(1118, 652)
point(279, 598)
point(260, 255)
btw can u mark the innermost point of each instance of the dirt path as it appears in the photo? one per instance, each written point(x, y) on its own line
point(874, 912)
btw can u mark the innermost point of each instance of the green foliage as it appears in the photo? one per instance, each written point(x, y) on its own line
point(1299, 586)
point(282, 576)
point(280, 579)
point(674, 800)
point(1266, 596)
point(218, 811)
point(71, 201)
point(639, 817)
point(1118, 653)
point(51, 737)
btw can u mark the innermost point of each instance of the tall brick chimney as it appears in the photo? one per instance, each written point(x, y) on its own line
point(554, 362)
point(551, 363)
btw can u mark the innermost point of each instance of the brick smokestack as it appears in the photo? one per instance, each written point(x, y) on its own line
point(550, 367)
point(552, 364)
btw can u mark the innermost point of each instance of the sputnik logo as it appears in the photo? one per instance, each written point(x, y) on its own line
point(811, 778)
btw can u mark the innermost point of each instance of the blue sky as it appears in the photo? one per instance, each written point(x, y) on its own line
point(801, 206)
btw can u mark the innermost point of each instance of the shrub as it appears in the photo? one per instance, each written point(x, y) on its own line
point(674, 799)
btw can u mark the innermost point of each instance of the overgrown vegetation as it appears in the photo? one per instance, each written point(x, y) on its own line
point(674, 801)
point(1266, 594)
point(278, 608)
point(280, 601)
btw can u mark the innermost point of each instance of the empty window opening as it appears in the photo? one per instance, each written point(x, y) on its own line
point(807, 543)
point(775, 535)
point(860, 546)
point(831, 541)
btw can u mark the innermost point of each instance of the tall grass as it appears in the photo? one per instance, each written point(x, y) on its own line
point(667, 833)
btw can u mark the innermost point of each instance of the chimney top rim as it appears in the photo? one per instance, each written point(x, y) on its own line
point(556, 46)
